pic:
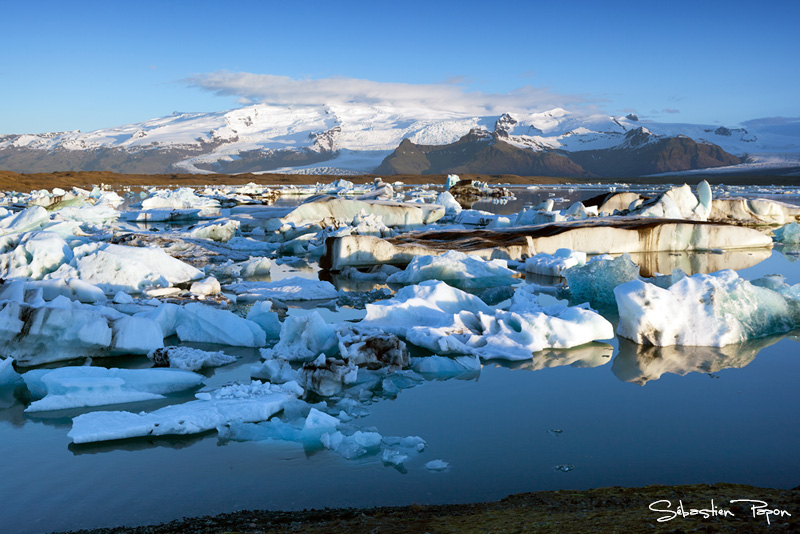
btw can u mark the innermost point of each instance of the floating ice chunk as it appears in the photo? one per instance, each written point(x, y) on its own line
point(183, 198)
point(24, 221)
point(8, 376)
point(303, 338)
point(258, 266)
point(287, 289)
point(209, 286)
point(189, 359)
point(327, 376)
point(451, 205)
point(261, 314)
point(678, 203)
point(118, 267)
point(457, 269)
point(79, 387)
point(595, 281)
point(166, 315)
point(554, 264)
point(315, 424)
point(276, 370)
point(205, 324)
point(35, 255)
point(135, 335)
point(446, 320)
point(354, 446)
point(393, 213)
point(789, 234)
point(247, 403)
point(98, 213)
point(579, 211)
point(123, 298)
point(706, 310)
point(36, 335)
point(452, 179)
point(393, 457)
point(371, 348)
point(437, 465)
point(221, 230)
point(71, 287)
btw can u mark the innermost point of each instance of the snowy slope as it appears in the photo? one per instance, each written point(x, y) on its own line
point(355, 138)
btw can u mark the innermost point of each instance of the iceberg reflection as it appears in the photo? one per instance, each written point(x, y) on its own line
point(590, 355)
point(641, 363)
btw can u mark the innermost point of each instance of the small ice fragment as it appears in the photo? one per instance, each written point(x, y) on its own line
point(437, 465)
point(565, 467)
point(556, 433)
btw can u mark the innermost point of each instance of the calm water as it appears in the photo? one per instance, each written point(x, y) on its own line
point(626, 415)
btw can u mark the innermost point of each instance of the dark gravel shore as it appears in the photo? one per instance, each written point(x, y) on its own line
point(604, 510)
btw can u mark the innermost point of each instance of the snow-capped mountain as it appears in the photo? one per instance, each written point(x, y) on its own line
point(359, 138)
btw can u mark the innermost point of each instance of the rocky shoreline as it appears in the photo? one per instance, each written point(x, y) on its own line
point(614, 509)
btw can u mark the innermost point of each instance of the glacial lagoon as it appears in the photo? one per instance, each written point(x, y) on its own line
point(603, 414)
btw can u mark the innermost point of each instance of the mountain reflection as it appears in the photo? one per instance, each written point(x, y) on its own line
point(641, 363)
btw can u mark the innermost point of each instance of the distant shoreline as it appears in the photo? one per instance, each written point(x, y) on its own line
point(613, 509)
point(12, 181)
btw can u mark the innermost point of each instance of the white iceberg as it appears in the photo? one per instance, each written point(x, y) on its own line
point(246, 403)
point(80, 387)
point(705, 310)
point(678, 203)
point(303, 338)
point(118, 267)
point(205, 324)
point(457, 269)
point(288, 289)
point(447, 321)
point(555, 264)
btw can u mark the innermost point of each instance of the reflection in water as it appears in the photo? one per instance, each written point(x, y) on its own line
point(590, 355)
point(139, 444)
point(642, 363)
point(697, 261)
point(790, 252)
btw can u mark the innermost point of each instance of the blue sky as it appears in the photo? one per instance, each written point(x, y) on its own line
point(89, 65)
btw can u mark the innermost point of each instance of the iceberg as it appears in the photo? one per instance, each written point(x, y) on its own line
point(246, 403)
point(457, 269)
point(205, 324)
point(134, 269)
point(554, 264)
point(188, 359)
point(705, 310)
point(63, 330)
point(288, 289)
point(595, 281)
point(80, 387)
point(446, 320)
point(678, 203)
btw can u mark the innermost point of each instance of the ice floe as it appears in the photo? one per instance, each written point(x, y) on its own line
point(80, 387)
point(457, 269)
point(245, 403)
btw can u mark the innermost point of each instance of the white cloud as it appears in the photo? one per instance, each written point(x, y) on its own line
point(273, 89)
